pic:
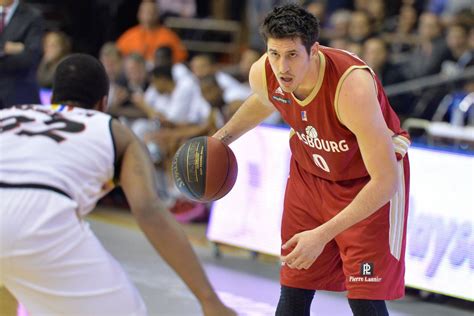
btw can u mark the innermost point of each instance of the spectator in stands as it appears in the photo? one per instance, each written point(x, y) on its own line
point(339, 24)
point(339, 43)
point(241, 70)
point(431, 50)
point(169, 139)
point(149, 34)
point(403, 29)
point(56, 45)
point(134, 83)
point(111, 58)
point(354, 47)
point(21, 33)
point(360, 27)
point(376, 55)
point(461, 56)
point(204, 65)
point(173, 102)
point(171, 106)
point(447, 9)
point(164, 57)
point(377, 13)
point(317, 8)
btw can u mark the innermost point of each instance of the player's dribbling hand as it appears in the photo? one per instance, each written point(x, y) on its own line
point(307, 246)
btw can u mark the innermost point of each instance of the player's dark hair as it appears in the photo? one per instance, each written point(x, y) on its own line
point(80, 79)
point(162, 71)
point(164, 55)
point(291, 21)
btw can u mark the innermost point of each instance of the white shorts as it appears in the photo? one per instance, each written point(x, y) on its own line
point(54, 264)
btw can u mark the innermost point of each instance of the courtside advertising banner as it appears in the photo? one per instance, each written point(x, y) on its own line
point(440, 238)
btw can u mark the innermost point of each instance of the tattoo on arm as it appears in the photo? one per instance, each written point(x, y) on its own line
point(226, 137)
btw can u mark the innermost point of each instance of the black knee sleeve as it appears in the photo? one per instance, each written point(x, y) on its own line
point(368, 307)
point(294, 302)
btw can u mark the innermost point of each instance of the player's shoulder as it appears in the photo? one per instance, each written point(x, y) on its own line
point(257, 78)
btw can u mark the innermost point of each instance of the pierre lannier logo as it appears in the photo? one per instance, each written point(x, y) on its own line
point(366, 274)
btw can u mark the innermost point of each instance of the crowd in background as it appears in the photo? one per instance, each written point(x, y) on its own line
point(168, 93)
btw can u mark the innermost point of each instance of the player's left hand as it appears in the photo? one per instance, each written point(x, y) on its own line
point(307, 245)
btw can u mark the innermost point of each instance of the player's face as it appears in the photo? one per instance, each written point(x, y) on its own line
point(289, 60)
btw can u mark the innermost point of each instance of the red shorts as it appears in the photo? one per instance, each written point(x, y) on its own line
point(367, 259)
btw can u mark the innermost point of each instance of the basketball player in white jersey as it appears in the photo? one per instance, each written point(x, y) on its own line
point(55, 163)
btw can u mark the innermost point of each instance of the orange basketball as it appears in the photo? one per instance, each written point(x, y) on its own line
point(204, 169)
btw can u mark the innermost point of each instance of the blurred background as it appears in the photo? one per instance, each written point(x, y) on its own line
point(179, 69)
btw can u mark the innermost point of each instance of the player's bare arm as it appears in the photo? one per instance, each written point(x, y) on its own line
point(254, 110)
point(358, 109)
point(138, 182)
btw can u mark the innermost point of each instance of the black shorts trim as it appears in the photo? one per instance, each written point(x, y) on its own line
point(4, 185)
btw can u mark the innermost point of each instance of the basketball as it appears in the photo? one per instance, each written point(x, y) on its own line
point(204, 169)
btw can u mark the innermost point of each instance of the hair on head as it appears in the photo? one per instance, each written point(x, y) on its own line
point(291, 21)
point(81, 79)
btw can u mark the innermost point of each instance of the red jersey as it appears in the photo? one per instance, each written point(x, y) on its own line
point(319, 142)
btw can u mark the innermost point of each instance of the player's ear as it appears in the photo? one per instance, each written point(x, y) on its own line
point(102, 104)
point(314, 49)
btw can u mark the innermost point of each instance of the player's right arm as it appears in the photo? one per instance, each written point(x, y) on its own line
point(137, 178)
point(253, 111)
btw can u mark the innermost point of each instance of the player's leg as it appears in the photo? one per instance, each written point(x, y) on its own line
point(300, 213)
point(294, 302)
point(56, 266)
point(368, 307)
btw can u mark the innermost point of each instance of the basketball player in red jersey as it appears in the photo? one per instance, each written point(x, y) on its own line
point(345, 208)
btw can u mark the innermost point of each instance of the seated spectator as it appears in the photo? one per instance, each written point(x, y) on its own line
point(248, 57)
point(377, 13)
point(56, 45)
point(317, 8)
point(170, 138)
point(175, 110)
point(338, 24)
point(149, 34)
point(360, 27)
point(164, 57)
point(111, 58)
point(376, 55)
point(460, 55)
point(402, 29)
point(131, 87)
point(428, 55)
point(169, 103)
point(447, 9)
point(355, 48)
point(339, 43)
point(204, 65)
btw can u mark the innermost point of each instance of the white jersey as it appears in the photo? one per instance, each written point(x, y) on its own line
point(58, 147)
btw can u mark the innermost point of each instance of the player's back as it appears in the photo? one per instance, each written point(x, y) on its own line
point(58, 147)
